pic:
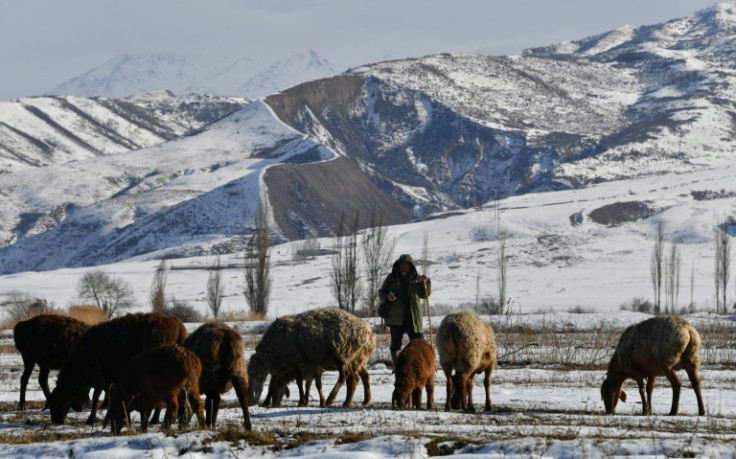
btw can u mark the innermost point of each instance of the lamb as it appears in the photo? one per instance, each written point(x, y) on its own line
point(221, 352)
point(162, 374)
point(466, 344)
point(658, 346)
point(102, 351)
point(44, 340)
point(415, 369)
point(306, 344)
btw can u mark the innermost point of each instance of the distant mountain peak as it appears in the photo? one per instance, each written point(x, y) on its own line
point(244, 76)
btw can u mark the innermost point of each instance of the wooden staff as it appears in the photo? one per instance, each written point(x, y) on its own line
point(429, 313)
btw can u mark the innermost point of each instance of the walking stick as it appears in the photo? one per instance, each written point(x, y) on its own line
point(429, 314)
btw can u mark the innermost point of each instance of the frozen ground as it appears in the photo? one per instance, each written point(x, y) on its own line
point(545, 393)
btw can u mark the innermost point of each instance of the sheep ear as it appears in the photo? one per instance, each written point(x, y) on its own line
point(622, 397)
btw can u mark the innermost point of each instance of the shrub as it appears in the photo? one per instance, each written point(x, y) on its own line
point(184, 312)
point(638, 305)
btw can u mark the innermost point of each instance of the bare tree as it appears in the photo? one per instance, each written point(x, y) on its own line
point(672, 280)
point(503, 263)
point(345, 274)
point(722, 264)
point(337, 275)
point(425, 254)
point(257, 263)
point(23, 306)
point(215, 288)
point(158, 287)
point(656, 268)
point(691, 306)
point(378, 249)
point(109, 294)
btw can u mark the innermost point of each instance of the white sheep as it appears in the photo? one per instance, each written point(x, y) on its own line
point(467, 345)
point(655, 347)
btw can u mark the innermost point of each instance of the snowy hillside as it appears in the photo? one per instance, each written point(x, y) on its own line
point(560, 257)
point(38, 131)
point(190, 74)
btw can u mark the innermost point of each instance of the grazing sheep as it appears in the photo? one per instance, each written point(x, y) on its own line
point(303, 345)
point(44, 340)
point(162, 374)
point(466, 344)
point(102, 351)
point(415, 369)
point(655, 347)
point(222, 353)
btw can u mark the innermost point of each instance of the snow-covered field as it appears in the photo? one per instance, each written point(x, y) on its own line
point(545, 394)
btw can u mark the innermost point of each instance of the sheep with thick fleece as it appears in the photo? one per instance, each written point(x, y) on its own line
point(102, 351)
point(303, 345)
point(222, 353)
point(658, 346)
point(160, 375)
point(45, 340)
point(415, 369)
point(466, 344)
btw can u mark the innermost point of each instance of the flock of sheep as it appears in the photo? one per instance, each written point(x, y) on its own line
point(146, 361)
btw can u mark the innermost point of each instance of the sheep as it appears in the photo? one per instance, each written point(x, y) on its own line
point(466, 344)
point(161, 374)
point(100, 353)
point(44, 340)
point(304, 345)
point(415, 369)
point(658, 346)
point(221, 351)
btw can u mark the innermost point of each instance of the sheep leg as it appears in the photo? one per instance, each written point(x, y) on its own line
point(467, 383)
point(172, 407)
point(430, 394)
point(650, 388)
point(195, 404)
point(156, 415)
point(676, 384)
point(300, 385)
point(27, 370)
point(366, 379)
point(692, 374)
point(307, 389)
point(642, 394)
point(352, 381)
point(241, 390)
point(447, 369)
point(416, 398)
point(318, 384)
point(145, 416)
point(214, 409)
point(93, 414)
point(487, 387)
point(43, 381)
point(342, 375)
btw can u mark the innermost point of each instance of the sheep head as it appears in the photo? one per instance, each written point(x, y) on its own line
point(611, 392)
point(257, 373)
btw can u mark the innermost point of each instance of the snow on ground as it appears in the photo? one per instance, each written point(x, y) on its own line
point(540, 409)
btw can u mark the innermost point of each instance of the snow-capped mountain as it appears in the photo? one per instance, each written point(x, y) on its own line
point(404, 139)
point(190, 74)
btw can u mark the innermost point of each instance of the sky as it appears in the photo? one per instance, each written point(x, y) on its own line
point(44, 43)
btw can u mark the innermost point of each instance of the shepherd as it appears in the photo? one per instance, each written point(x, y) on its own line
point(400, 297)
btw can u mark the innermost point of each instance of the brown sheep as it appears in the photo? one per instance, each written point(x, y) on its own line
point(467, 344)
point(102, 351)
point(160, 375)
point(222, 353)
point(303, 345)
point(44, 340)
point(415, 369)
point(658, 346)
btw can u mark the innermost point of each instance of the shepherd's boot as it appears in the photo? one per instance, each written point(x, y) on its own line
point(394, 358)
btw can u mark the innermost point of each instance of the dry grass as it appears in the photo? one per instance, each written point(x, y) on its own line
point(89, 314)
point(242, 316)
